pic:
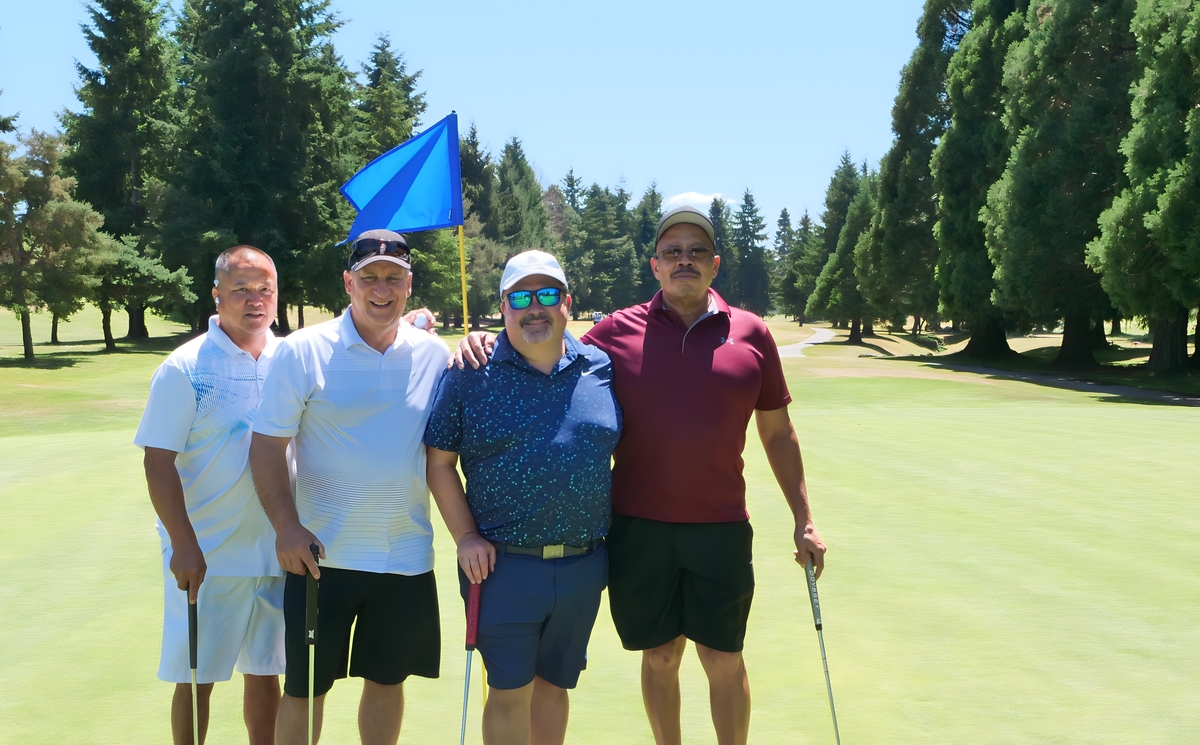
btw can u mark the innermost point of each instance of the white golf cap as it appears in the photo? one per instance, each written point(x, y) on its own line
point(527, 264)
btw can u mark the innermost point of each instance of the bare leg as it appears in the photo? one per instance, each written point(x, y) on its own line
point(548, 712)
point(260, 706)
point(181, 712)
point(291, 726)
point(506, 716)
point(728, 694)
point(660, 690)
point(380, 711)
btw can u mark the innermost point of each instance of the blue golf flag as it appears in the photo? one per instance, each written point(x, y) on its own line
point(416, 185)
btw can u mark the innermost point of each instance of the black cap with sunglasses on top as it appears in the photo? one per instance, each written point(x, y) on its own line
point(378, 245)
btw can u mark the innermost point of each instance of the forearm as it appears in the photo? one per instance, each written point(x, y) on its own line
point(451, 500)
point(783, 453)
point(268, 464)
point(166, 495)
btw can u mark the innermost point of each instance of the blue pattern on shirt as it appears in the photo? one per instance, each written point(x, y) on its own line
point(535, 448)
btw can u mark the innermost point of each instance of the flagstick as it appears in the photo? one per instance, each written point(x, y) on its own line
point(462, 265)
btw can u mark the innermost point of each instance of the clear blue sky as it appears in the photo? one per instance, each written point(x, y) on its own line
point(700, 97)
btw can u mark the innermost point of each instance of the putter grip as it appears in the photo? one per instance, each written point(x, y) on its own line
point(472, 615)
point(311, 589)
point(193, 639)
point(812, 593)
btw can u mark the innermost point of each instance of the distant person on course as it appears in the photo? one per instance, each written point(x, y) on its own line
point(355, 394)
point(689, 371)
point(217, 544)
point(536, 430)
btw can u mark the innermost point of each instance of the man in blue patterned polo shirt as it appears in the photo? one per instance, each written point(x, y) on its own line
point(535, 431)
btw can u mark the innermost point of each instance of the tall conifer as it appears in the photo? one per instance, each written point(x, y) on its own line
point(754, 271)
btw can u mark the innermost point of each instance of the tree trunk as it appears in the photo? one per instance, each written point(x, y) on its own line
point(1116, 327)
point(53, 328)
point(137, 322)
point(1098, 339)
point(281, 320)
point(1076, 348)
point(110, 345)
point(856, 331)
point(1196, 344)
point(1169, 354)
point(868, 327)
point(27, 335)
point(300, 316)
point(916, 325)
point(988, 340)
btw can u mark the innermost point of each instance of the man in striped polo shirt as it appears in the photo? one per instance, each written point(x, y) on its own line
point(355, 393)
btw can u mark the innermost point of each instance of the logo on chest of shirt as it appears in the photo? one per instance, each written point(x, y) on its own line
point(726, 340)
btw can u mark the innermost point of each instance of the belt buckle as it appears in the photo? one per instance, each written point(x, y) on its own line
point(553, 552)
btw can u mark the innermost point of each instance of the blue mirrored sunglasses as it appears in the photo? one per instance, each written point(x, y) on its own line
point(547, 297)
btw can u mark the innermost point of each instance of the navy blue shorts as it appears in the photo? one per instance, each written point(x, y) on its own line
point(536, 616)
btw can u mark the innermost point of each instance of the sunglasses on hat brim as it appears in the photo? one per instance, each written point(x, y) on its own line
point(366, 248)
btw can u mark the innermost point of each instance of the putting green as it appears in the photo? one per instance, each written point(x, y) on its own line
point(1009, 563)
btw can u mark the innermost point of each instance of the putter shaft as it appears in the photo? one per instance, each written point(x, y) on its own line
point(193, 656)
point(811, 576)
point(462, 735)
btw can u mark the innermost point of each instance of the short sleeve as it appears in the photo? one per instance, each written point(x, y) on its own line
point(774, 392)
point(285, 394)
point(170, 411)
point(600, 335)
point(444, 430)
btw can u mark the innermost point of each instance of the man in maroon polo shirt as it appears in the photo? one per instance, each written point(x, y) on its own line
point(689, 371)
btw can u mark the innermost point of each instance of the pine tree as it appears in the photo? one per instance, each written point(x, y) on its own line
point(600, 261)
point(389, 105)
point(1067, 101)
point(907, 211)
point(1154, 224)
point(726, 282)
point(843, 187)
point(754, 271)
point(968, 160)
point(789, 298)
point(518, 214)
point(268, 145)
point(645, 218)
point(573, 189)
point(836, 294)
point(478, 177)
point(119, 143)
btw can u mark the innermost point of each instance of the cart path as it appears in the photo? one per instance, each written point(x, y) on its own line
point(797, 350)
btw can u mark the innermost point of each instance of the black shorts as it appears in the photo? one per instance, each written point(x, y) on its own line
point(396, 629)
point(667, 580)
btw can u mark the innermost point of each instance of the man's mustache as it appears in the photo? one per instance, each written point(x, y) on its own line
point(535, 317)
point(681, 272)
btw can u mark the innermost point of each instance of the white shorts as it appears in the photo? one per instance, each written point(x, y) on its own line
point(239, 626)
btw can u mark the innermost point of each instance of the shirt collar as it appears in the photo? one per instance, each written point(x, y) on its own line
point(350, 336)
point(222, 340)
point(716, 303)
point(506, 352)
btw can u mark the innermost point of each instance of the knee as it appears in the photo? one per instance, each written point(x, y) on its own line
point(720, 664)
point(507, 700)
point(665, 658)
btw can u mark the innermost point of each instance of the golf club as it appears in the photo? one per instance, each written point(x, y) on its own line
point(472, 633)
point(816, 609)
point(311, 589)
point(193, 639)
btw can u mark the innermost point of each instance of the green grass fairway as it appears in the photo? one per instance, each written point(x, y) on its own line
point(1009, 563)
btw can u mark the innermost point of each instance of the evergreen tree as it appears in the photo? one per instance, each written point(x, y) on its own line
point(560, 214)
point(1152, 228)
point(785, 236)
point(389, 105)
point(1067, 101)
point(644, 226)
point(789, 298)
point(836, 296)
point(600, 260)
point(519, 216)
point(8, 123)
point(478, 177)
point(726, 282)
point(968, 160)
point(121, 140)
point(754, 269)
point(843, 187)
point(573, 190)
point(907, 211)
point(267, 113)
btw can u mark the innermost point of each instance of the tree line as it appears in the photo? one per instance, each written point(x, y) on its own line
point(236, 123)
point(1045, 170)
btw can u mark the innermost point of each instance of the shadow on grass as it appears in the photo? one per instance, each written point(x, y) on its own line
point(71, 354)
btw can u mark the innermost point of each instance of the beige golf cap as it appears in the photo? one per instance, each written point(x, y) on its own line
point(527, 264)
point(689, 215)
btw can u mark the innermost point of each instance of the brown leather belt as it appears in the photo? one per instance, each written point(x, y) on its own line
point(555, 551)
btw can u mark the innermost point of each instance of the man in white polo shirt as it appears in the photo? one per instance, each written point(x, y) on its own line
point(218, 547)
point(355, 393)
